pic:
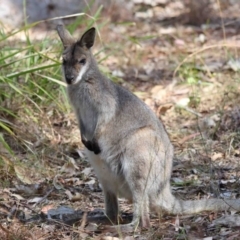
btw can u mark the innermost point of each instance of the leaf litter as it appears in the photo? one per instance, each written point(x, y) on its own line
point(59, 197)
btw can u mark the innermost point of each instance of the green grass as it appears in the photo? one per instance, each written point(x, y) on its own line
point(25, 84)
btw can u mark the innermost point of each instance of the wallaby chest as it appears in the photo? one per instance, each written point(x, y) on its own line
point(95, 107)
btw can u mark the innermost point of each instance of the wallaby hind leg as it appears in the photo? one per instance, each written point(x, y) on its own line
point(111, 206)
point(140, 214)
point(140, 198)
point(140, 167)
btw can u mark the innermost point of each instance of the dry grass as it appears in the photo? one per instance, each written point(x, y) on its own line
point(203, 89)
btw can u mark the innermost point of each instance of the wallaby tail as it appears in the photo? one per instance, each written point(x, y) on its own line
point(169, 203)
point(196, 206)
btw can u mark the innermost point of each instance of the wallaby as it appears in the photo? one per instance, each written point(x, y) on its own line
point(126, 144)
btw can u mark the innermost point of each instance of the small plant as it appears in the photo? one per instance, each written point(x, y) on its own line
point(191, 75)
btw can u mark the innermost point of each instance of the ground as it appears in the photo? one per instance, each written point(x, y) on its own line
point(186, 69)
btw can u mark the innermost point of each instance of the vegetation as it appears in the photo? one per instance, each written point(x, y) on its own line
point(190, 79)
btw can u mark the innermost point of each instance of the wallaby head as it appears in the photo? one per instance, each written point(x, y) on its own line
point(77, 56)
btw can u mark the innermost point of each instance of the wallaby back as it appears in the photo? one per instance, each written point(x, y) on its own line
point(125, 142)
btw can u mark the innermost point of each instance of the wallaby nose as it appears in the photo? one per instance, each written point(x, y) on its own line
point(69, 78)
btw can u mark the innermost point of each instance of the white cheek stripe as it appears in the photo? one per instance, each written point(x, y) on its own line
point(81, 73)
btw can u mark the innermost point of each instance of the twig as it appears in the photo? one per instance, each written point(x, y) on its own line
point(5, 230)
point(45, 196)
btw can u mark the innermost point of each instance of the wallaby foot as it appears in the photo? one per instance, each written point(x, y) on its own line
point(141, 213)
point(131, 227)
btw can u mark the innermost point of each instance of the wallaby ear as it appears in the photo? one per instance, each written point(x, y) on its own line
point(87, 39)
point(65, 36)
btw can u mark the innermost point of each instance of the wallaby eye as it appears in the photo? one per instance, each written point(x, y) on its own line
point(64, 61)
point(82, 61)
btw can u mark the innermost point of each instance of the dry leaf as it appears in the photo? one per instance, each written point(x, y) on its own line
point(22, 174)
point(46, 208)
point(48, 228)
point(17, 196)
point(183, 102)
point(91, 183)
point(28, 189)
point(86, 172)
point(78, 196)
point(228, 220)
point(69, 194)
point(164, 108)
point(216, 156)
point(129, 238)
point(80, 153)
point(156, 89)
point(75, 181)
point(83, 235)
point(110, 238)
point(57, 185)
point(177, 224)
point(7, 161)
point(35, 200)
point(70, 167)
point(92, 227)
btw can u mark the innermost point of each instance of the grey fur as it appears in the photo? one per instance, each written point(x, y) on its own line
point(135, 154)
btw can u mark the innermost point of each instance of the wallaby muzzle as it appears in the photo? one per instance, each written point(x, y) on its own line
point(69, 78)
